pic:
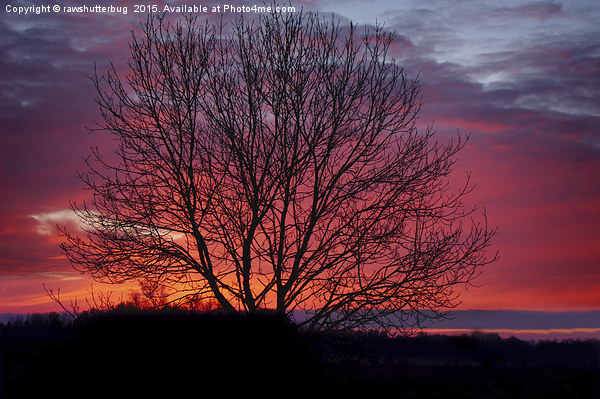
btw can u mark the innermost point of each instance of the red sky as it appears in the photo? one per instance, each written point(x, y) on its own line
point(522, 78)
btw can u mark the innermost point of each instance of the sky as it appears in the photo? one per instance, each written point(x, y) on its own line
point(522, 78)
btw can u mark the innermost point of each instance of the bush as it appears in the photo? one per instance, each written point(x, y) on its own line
point(166, 353)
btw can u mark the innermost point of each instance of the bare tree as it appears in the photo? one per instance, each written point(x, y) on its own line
point(275, 163)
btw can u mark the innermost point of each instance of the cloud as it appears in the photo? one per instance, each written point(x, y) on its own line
point(511, 319)
point(24, 250)
point(537, 10)
point(48, 221)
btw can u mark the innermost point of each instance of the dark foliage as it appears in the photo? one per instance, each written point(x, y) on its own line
point(475, 366)
point(128, 352)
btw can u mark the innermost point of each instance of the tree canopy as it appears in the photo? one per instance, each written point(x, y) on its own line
point(276, 163)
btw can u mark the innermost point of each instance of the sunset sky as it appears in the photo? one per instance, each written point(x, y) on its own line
point(521, 77)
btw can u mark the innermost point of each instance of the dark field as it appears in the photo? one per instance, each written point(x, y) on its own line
point(146, 354)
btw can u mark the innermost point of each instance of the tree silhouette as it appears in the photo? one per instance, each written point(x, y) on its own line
point(275, 163)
